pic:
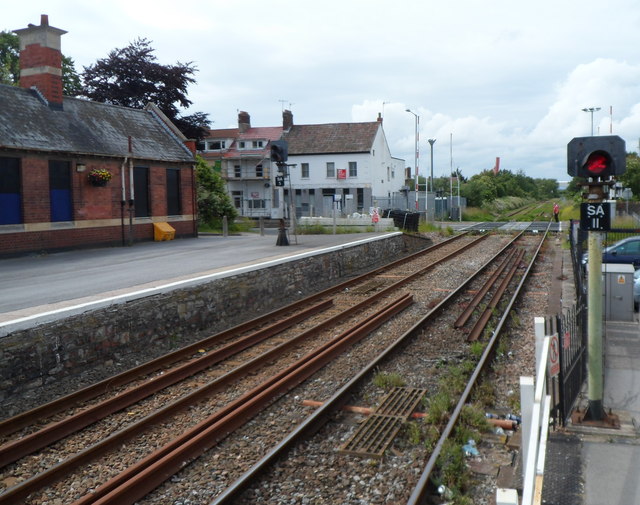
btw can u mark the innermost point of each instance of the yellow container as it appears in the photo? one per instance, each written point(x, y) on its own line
point(163, 231)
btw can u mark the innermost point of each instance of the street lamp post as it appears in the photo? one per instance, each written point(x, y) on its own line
point(591, 110)
point(417, 154)
point(431, 142)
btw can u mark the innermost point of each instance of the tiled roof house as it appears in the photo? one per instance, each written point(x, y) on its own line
point(349, 163)
point(49, 144)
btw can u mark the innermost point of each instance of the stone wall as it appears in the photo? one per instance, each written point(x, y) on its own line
point(49, 360)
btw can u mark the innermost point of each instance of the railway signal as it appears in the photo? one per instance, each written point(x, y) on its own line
point(596, 157)
point(598, 160)
point(279, 151)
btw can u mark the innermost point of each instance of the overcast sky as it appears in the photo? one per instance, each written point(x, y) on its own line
point(495, 78)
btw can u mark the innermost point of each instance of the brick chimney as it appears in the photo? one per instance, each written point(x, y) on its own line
point(41, 60)
point(244, 121)
point(287, 120)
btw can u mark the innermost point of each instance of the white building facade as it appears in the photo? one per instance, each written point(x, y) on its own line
point(346, 165)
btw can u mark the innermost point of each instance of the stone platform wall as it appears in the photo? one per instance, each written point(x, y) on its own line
point(59, 357)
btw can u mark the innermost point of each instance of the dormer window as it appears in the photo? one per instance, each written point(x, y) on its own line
point(258, 144)
point(216, 145)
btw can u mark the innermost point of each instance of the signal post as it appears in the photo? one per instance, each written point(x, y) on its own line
point(598, 160)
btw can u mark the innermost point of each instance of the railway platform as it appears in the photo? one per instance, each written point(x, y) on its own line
point(596, 465)
point(39, 288)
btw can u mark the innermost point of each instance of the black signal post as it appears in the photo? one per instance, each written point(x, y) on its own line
point(598, 160)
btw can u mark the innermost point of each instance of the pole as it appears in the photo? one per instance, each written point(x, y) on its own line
point(450, 176)
point(416, 155)
point(595, 410)
point(591, 110)
point(459, 208)
point(431, 142)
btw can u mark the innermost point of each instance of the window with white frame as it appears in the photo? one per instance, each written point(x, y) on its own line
point(258, 144)
point(353, 169)
point(256, 204)
point(304, 170)
point(237, 171)
point(237, 199)
point(216, 145)
point(259, 171)
point(331, 169)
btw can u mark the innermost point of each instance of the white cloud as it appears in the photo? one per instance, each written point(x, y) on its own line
point(501, 79)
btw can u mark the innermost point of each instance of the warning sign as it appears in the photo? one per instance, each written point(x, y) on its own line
point(621, 279)
point(554, 355)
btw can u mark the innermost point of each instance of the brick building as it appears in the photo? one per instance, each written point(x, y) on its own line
point(51, 147)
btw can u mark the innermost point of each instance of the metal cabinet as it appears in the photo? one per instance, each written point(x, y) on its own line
point(618, 291)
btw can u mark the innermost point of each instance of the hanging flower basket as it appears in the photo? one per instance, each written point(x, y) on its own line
point(99, 176)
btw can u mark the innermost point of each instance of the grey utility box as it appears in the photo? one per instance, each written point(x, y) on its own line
point(618, 291)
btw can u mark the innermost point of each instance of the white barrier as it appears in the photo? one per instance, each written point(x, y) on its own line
point(535, 406)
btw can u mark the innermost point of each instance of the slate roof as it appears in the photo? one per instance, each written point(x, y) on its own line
point(84, 127)
point(332, 138)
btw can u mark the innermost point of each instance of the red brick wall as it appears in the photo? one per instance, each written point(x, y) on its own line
point(50, 85)
point(90, 203)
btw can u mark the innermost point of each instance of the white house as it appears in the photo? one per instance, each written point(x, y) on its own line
point(349, 163)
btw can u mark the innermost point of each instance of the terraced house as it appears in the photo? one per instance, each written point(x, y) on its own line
point(76, 173)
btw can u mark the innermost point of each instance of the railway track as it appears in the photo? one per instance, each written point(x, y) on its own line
point(378, 287)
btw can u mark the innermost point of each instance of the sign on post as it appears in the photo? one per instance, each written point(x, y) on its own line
point(595, 216)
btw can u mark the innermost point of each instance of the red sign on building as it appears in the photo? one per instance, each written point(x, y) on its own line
point(342, 173)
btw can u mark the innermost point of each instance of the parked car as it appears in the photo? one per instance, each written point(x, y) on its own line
point(623, 251)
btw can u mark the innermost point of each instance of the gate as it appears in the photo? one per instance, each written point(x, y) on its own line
point(573, 358)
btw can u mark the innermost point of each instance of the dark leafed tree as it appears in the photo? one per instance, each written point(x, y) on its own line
point(132, 77)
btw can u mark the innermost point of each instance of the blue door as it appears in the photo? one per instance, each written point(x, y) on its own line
point(60, 190)
point(10, 197)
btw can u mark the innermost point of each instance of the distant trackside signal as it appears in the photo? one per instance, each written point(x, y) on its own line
point(279, 151)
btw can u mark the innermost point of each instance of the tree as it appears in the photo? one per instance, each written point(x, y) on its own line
point(9, 58)
point(213, 200)
point(10, 66)
point(71, 83)
point(132, 77)
point(631, 178)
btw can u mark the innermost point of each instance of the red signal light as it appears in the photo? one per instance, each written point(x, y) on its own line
point(597, 163)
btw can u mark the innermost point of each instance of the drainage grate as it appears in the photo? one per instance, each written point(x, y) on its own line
point(374, 436)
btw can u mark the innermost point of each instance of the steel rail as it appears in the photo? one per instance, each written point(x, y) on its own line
point(50, 475)
point(323, 414)
point(483, 320)
point(146, 475)
point(27, 418)
point(477, 299)
point(53, 432)
point(419, 494)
